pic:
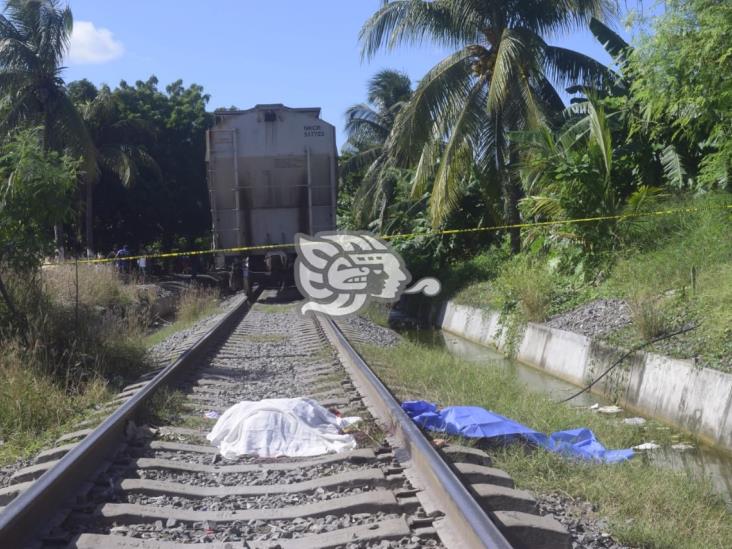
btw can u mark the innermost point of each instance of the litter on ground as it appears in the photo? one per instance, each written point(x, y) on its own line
point(211, 414)
point(647, 446)
point(634, 421)
point(682, 446)
point(610, 409)
point(476, 422)
point(292, 427)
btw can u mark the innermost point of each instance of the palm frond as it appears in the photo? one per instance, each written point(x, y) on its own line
point(388, 88)
point(568, 67)
point(673, 167)
point(610, 40)
point(549, 96)
point(142, 159)
point(539, 152)
point(644, 199)
point(600, 136)
point(507, 57)
point(361, 159)
point(457, 157)
point(426, 167)
point(439, 93)
point(116, 161)
point(365, 201)
point(67, 130)
point(364, 125)
point(412, 22)
point(543, 207)
point(549, 17)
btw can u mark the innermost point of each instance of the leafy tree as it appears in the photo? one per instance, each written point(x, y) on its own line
point(118, 143)
point(603, 160)
point(151, 189)
point(569, 176)
point(35, 193)
point(34, 37)
point(500, 79)
point(82, 91)
point(368, 126)
point(682, 80)
point(176, 205)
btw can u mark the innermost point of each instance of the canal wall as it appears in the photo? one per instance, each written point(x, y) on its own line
point(696, 400)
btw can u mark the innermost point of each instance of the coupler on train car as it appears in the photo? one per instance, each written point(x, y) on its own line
point(273, 270)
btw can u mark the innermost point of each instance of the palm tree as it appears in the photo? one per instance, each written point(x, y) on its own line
point(34, 37)
point(368, 126)
point(500, 79)
point(118, 149)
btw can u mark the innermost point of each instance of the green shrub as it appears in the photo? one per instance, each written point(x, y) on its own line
point(61, 362)
point(648, 316)
point(527, 283)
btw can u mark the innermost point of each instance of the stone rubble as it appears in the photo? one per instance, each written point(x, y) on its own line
point(588, 529)
point(595, 318)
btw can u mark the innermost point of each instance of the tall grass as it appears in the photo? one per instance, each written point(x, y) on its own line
point(648, 316)
point(35, 406)
point(661, 252)
point(677, 270)
point(62, 356)
point(194, 303)
point(98, 285)
point(523, 283)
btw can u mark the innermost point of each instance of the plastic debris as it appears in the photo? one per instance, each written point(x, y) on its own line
point(647, 446)
point(211, 414)
point(476, 422)
point(610, 409)
point(293, 427)
point(682, 446)
point(595, 406)
point(634, 421)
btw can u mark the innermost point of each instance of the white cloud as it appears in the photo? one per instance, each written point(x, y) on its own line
point(92, 45)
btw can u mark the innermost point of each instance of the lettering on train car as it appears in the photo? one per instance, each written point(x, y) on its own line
point(314, 131)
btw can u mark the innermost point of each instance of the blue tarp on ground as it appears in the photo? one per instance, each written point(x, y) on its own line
point(476, 422)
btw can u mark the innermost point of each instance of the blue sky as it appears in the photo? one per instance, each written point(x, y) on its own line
point(243, 52)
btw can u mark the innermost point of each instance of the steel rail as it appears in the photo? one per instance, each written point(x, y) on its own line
point(469, 525)
point(36, 509)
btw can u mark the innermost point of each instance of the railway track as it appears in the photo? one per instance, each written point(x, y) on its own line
point(122, 486)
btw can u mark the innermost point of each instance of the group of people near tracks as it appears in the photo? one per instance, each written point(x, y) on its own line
point(141, 266)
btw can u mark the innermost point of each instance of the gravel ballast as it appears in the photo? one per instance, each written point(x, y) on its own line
point(595, 318)
point(273, 353)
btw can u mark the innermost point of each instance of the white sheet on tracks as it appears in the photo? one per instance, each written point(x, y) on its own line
point(274, 427)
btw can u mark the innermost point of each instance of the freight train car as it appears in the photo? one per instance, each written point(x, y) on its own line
point(272, 172)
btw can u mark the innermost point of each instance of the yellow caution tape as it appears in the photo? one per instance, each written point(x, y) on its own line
point(166, 255)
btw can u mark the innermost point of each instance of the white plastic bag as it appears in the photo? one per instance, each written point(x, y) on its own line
point(293, 427)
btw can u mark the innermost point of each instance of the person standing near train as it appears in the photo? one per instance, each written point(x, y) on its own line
point(121, 255)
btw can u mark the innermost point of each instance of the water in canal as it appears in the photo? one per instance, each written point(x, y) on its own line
point(701, 460)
